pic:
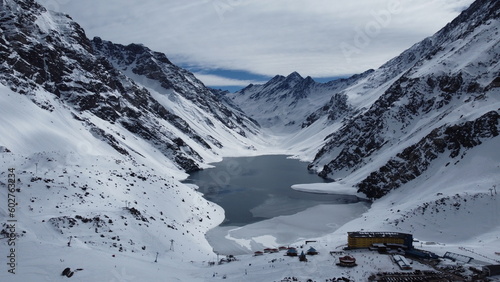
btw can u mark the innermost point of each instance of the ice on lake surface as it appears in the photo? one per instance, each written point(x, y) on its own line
point(262, 209)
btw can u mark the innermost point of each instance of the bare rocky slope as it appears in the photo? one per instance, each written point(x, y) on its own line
point(40, 49)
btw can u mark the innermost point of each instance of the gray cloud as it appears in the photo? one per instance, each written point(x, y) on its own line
point(320, 38)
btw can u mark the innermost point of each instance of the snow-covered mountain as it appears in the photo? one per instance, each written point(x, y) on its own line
point(283, 103)
point(154, 68)
point(129, 87)
point(442, 102)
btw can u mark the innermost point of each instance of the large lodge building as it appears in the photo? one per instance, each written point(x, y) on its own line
point(356, 240)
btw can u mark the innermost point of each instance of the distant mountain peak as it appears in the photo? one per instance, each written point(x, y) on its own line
point(276, 79)
point(294, 75)
point(272, 103)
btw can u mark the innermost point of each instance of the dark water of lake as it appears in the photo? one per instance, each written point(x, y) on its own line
point(251, 189)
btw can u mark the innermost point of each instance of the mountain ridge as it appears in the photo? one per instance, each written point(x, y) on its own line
point(75, 70)
point(365, 135)
point(268, 103)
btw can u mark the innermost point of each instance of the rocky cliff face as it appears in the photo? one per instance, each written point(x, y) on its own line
point(121, 85)
point(451, 141)
point(145, 65)
point(447, 90)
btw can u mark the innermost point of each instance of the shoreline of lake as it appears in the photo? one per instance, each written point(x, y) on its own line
point(261, 207)
point(279, 231)
point(252, 189)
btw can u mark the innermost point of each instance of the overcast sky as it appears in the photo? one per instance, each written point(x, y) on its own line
point(237, 42)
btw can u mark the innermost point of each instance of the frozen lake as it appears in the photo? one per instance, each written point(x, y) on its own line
point(251, 189)
point(262, 210)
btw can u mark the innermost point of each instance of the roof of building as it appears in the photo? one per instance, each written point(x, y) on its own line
point(378, 234)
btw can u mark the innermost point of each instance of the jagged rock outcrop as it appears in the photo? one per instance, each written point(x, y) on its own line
point(41, 49)
point(414, 160)
point(336, 108)
point(145, 64)
point(431, 88)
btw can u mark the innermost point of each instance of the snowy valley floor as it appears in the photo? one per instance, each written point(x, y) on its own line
point(103, 266)
point(282, 230)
